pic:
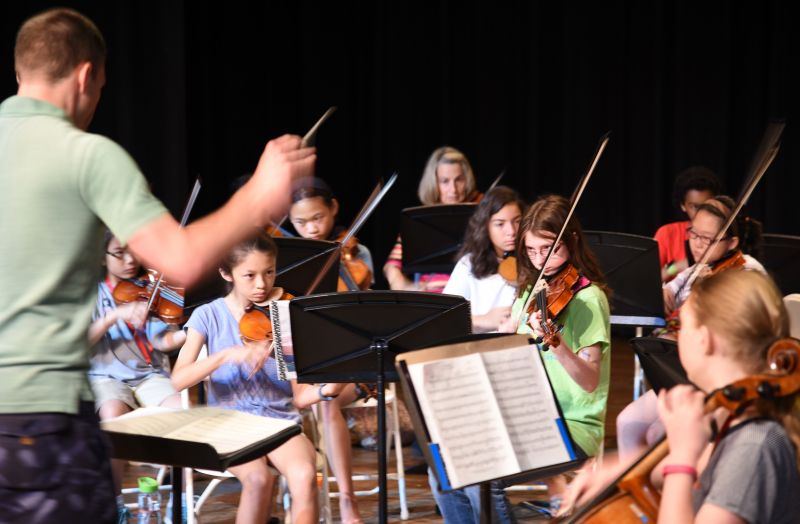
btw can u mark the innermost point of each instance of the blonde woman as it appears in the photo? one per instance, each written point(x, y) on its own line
point(447, 179)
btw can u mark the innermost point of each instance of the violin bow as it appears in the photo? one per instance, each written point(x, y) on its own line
point(186, 212)
point(497, 180)
point(576, 196)
point(765, 154)
point(310, 137)
point(366, 210)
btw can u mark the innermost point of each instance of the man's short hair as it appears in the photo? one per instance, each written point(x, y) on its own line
point(56, 41)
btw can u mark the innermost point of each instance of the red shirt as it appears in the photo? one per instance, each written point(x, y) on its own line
point(671, 240)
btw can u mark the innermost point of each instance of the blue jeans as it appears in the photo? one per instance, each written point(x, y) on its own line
point(463, 506)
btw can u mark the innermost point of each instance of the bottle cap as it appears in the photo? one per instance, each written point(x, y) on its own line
point(147, 484)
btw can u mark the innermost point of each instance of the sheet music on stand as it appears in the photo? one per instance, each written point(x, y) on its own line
point(197, 437)
point(498, 385)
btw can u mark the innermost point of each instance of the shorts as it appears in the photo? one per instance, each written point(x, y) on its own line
point(54, 467)
point(152, 391)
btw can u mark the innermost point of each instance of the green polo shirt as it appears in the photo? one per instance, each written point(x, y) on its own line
point(58, 185)
point(586, 323)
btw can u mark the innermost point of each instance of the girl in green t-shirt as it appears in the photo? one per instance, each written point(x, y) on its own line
point(579, 360)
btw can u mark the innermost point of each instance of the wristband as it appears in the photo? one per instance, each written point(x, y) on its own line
point(672, 270)
point(322, 395)
point(679, 468)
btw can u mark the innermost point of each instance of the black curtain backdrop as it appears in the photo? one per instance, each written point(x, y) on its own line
point(525, 87)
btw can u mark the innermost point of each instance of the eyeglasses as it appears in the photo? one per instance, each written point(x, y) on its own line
point(542, 253)
point(704, 240)
point(119, 255)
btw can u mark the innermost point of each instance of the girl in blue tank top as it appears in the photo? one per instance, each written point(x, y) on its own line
point(245, 378)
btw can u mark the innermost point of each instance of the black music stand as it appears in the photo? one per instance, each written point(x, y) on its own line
point(299, 261)
point(432, 236)
point(185, 454)
point(660, 362)
point(632, 269)
point(781, 258)
point(354, 337)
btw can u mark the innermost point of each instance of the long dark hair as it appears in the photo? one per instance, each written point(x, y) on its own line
point(747, 230)
point(477, 243)
point(547, 215)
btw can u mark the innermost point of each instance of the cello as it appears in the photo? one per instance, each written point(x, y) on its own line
point(632, 498)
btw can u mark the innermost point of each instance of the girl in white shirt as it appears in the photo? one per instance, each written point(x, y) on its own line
point(491, 235)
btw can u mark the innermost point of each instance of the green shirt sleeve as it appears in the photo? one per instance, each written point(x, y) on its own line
point(587, 320)
point(114, 188)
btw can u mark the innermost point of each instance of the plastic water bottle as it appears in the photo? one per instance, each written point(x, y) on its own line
point(149, 501)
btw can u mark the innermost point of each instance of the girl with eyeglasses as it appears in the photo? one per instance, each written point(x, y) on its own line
point(692, 187)
point(743, 238)
point(637, 424)
point(128, 366)
point(579, 365)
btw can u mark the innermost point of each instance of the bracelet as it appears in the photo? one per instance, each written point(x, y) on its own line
point(672, 269)
point(679, 468)
point(322, 395)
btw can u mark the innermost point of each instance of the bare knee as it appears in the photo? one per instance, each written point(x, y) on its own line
point(256, 480)
point(302, 479)
point(112, 409)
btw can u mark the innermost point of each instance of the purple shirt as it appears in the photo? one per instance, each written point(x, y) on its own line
point(264, 394)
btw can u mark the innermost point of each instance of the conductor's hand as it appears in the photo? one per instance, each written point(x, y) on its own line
point(283, 164)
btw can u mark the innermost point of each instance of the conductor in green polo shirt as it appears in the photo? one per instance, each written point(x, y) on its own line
point(58, 185)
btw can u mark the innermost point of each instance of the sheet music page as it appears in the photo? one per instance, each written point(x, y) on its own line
point(282, 335)
point(464, 419)
point(224, 429)
point(522, 390)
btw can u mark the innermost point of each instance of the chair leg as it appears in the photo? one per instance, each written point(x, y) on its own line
point(398, 450)
point(188, 482)
point(207, 493)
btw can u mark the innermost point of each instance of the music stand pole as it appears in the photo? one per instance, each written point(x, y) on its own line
point(426, 319)
point(486, 503)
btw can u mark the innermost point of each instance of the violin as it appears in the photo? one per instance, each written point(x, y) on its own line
point(508, 267)
point(735, 260)
point(256, 323)
point(166, 302)
point(354, 274)
point(552, 297)
point(633, 497)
